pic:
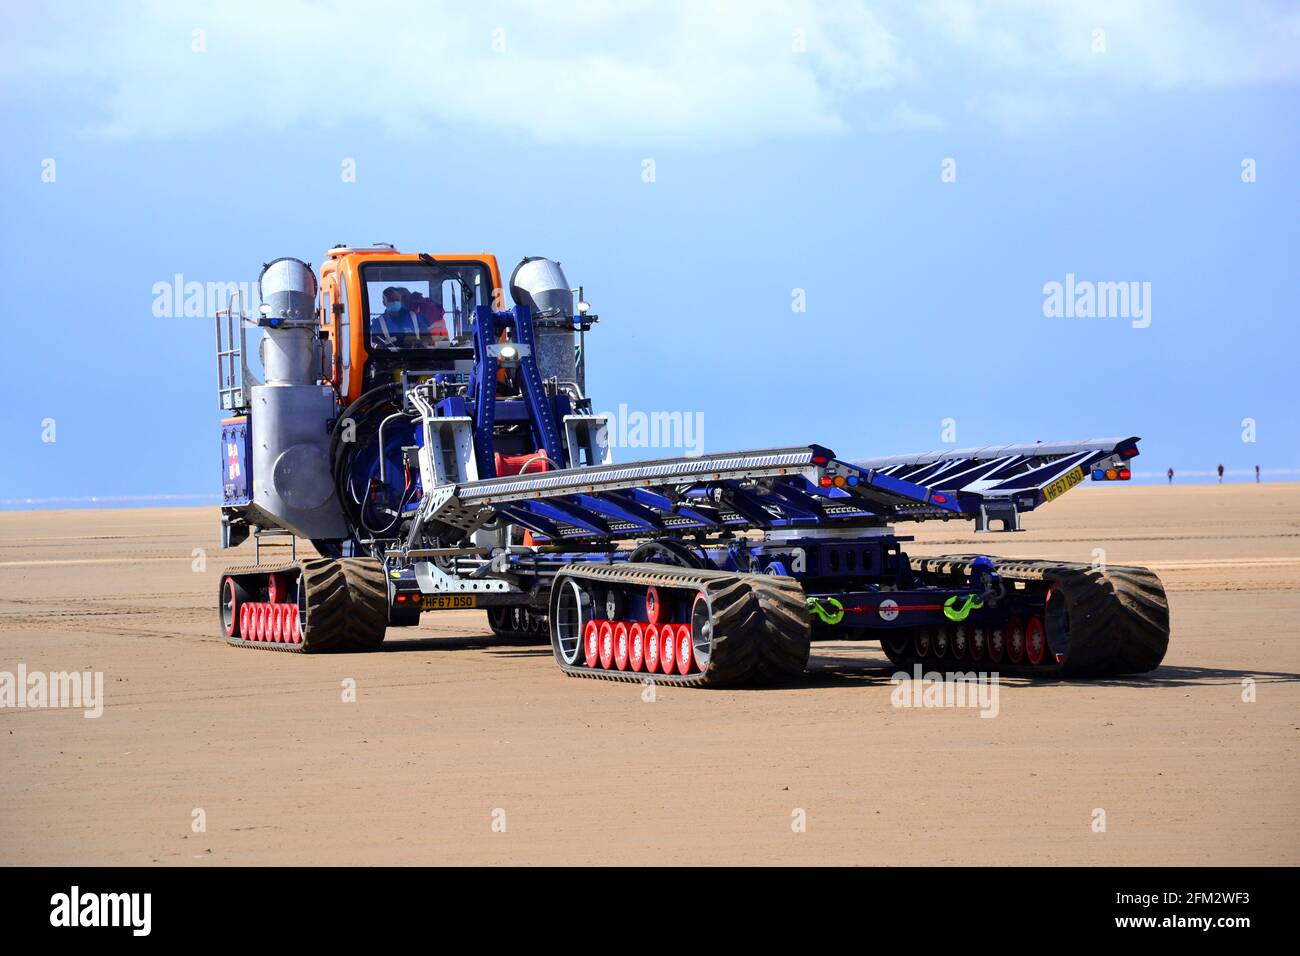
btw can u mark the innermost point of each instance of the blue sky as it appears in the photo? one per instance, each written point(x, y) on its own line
point(795, 146)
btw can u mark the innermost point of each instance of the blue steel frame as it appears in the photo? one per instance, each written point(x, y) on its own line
point(534, 406)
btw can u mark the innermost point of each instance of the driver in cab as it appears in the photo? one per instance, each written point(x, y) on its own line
point(396, 319)
point(408, 319)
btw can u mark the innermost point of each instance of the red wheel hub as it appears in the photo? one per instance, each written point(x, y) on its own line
point(606, 644)
point(1015, 640)
point(997, 644)
point(685, 658)
point(653, 605)
point(1035, 640)
point(667, 648)
point(620, 646)
point(636, 646)
point(277, 588)
point(591, 643)
point(959, 641)
point(652, 648)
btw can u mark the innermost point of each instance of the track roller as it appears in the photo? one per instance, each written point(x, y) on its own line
point(959, 641)
point(591, 643)
point(606, 644)
point(621, 648)
point(1035, 640)
point(1015, 640)
point(652, 649)
point(668, 648)
point(684, 655)
point(636, 646)
point(518, 623)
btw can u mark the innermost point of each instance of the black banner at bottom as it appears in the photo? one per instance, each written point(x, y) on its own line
point(333, 905)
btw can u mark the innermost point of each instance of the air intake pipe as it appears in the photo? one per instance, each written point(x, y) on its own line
point(539, 283)
point(291, 410)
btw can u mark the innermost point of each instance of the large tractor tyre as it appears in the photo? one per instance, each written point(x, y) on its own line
point(1118, 622)
point(784, 652)
point(367, 602)
point(325, 589)
point(732, 615)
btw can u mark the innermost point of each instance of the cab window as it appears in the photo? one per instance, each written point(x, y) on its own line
point(414, 305)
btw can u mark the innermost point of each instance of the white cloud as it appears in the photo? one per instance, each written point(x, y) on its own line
point(635, 72)
point(639, 73)
point(1157, 44)
point(903, 116)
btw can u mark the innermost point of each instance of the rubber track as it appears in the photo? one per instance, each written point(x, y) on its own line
point(327, 603)
point(1119, 616)
point(761, 624)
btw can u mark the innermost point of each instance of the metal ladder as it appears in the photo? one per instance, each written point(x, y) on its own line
point(274, 533)
point(231, 368)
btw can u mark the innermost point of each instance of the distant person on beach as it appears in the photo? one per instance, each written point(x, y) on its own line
point(1220, 474)
point(1257, 474)
point(1170, 473)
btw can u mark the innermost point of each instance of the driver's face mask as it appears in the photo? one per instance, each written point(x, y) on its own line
point(395, 306)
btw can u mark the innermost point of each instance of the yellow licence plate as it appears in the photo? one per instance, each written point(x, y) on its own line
point(448, 602)
point(1063, 484)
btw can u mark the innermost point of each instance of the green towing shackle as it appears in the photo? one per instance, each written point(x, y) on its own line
point(961, 613)
point(827, 617)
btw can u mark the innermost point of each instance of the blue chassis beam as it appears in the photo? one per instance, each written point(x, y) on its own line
point(864, 607)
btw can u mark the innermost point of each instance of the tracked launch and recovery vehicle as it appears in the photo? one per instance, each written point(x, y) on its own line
point(439, 450)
